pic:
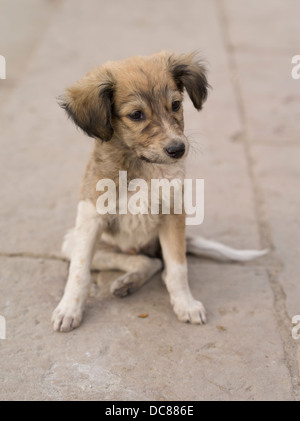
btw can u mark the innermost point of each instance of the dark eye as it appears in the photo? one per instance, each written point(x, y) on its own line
point(176, 105)
point(137, 115)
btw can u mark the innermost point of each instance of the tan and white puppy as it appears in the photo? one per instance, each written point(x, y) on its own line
point(133, 110)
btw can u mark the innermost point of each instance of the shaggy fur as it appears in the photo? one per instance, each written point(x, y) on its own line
point(133, 110)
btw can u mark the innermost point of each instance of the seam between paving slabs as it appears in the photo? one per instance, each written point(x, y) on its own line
point(31, 255)
point(273, 264)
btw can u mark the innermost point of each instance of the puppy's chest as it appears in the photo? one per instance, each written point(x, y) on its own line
point(138, 208)
point(131, 231)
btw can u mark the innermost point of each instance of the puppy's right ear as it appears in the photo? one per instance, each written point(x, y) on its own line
point(89, 104)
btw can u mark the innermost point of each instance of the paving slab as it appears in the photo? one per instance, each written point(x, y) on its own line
point(262, 42)
point(117, 355)
point(264, 38)
point(270, 27)
point(217, 155)
point(21, 29)
point(279, 173)
point(271, 96)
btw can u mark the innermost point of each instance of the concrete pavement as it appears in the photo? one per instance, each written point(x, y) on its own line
point(245, 144)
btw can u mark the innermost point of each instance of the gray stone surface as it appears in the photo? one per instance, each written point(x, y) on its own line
point(279, 171)
point(118, 355)
point(245, 144)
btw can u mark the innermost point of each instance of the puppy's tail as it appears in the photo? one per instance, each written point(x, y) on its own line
point(200, 246)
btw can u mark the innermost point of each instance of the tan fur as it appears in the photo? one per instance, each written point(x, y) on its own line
point(103, 104)
point(173, 229)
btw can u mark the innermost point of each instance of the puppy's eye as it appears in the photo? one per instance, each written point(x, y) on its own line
point(136, 116)
point(176, 105)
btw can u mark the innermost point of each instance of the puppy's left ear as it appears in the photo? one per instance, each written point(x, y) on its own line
point(190, 74)
point(89, 104)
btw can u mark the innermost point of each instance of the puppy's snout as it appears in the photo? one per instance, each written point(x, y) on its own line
point(175, 150)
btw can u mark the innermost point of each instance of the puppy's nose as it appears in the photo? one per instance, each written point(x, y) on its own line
point(175, 150)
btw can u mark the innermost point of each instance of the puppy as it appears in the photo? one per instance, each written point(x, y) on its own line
point(133, 110)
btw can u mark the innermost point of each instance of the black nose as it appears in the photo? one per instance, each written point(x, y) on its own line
point(175, 150)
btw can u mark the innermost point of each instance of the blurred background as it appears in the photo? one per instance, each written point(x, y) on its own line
point(245, 143)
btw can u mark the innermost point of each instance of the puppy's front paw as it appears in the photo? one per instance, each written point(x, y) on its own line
point(190, 310)
point(66, 316)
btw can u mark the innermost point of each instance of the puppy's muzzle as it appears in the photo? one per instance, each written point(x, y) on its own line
point(175, 150)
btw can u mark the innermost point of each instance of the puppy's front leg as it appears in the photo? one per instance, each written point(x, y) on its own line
point(68, 313)
point(172, 240)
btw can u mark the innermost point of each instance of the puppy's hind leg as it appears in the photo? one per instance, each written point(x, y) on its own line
point(139, 269)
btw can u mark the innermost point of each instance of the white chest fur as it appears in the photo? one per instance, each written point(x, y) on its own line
point(137, 229)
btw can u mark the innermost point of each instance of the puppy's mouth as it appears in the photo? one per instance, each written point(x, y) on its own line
point(150, 161)
point(158, 161)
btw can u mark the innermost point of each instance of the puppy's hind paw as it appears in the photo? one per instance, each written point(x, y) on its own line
point(125, 285)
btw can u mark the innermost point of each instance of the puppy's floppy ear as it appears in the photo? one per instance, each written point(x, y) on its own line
point(89, 104)
point(190, 74)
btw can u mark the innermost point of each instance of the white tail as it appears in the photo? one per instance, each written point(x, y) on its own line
point(202, 247)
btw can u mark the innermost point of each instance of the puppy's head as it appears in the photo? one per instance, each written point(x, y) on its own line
point(139, 101)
